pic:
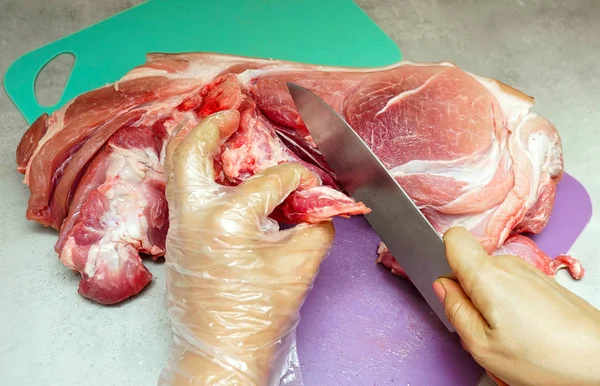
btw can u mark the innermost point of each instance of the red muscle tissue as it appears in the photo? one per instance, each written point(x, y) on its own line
point(467, 149)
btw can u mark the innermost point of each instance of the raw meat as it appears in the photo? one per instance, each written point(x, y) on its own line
point(524, 247)
point(119, 211)
point(466, 148)
point(517, 245)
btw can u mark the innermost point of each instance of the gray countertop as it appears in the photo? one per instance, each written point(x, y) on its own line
point(549, 49)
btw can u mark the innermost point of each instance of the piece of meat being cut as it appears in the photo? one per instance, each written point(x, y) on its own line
point(467, 149)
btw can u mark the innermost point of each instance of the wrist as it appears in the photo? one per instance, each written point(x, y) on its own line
point(590, 356)
point(189, 365)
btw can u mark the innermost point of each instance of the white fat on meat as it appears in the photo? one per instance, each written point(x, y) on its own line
point(515, 105)
point(126, 223)
point(405, 94)
point(477, 172)
point(544, 154)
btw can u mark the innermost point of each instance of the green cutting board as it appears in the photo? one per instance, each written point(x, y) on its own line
point(327, 32)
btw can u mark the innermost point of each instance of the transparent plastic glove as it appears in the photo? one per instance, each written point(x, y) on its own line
point(235, 282)
point(518, 323)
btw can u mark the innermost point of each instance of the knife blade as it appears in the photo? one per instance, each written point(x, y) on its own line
point(409, 236)
point(485, 380)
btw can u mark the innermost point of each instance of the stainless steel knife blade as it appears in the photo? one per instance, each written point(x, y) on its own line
point(485, 380)
point(406, 232)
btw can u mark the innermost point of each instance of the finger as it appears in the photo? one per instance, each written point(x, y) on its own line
point(191, 171)
point(199, 146)
point(470, 325)
point(465, 256)
point(301, 250)
point(267, 189)
point(177, 135)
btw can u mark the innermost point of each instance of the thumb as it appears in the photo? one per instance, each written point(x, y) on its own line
point(302, 249)
point(470, 325)
point(465, 256)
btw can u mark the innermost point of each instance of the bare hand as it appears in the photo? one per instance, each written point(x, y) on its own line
point(519, 324)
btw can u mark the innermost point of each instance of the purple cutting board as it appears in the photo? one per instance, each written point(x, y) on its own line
point(363, 326)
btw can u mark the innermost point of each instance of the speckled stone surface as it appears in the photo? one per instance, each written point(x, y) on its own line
point(547, 48)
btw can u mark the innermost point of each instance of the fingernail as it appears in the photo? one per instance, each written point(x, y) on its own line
point(439, 290)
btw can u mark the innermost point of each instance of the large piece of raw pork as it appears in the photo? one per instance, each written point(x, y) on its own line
point(467, 149)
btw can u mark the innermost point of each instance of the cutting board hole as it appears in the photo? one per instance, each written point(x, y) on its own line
point(51, 81)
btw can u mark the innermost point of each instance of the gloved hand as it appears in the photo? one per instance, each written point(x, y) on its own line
point(518, 323)
point(235, 282)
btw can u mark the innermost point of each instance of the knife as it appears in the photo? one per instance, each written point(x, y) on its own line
point(485, 380)
point(411, 239)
